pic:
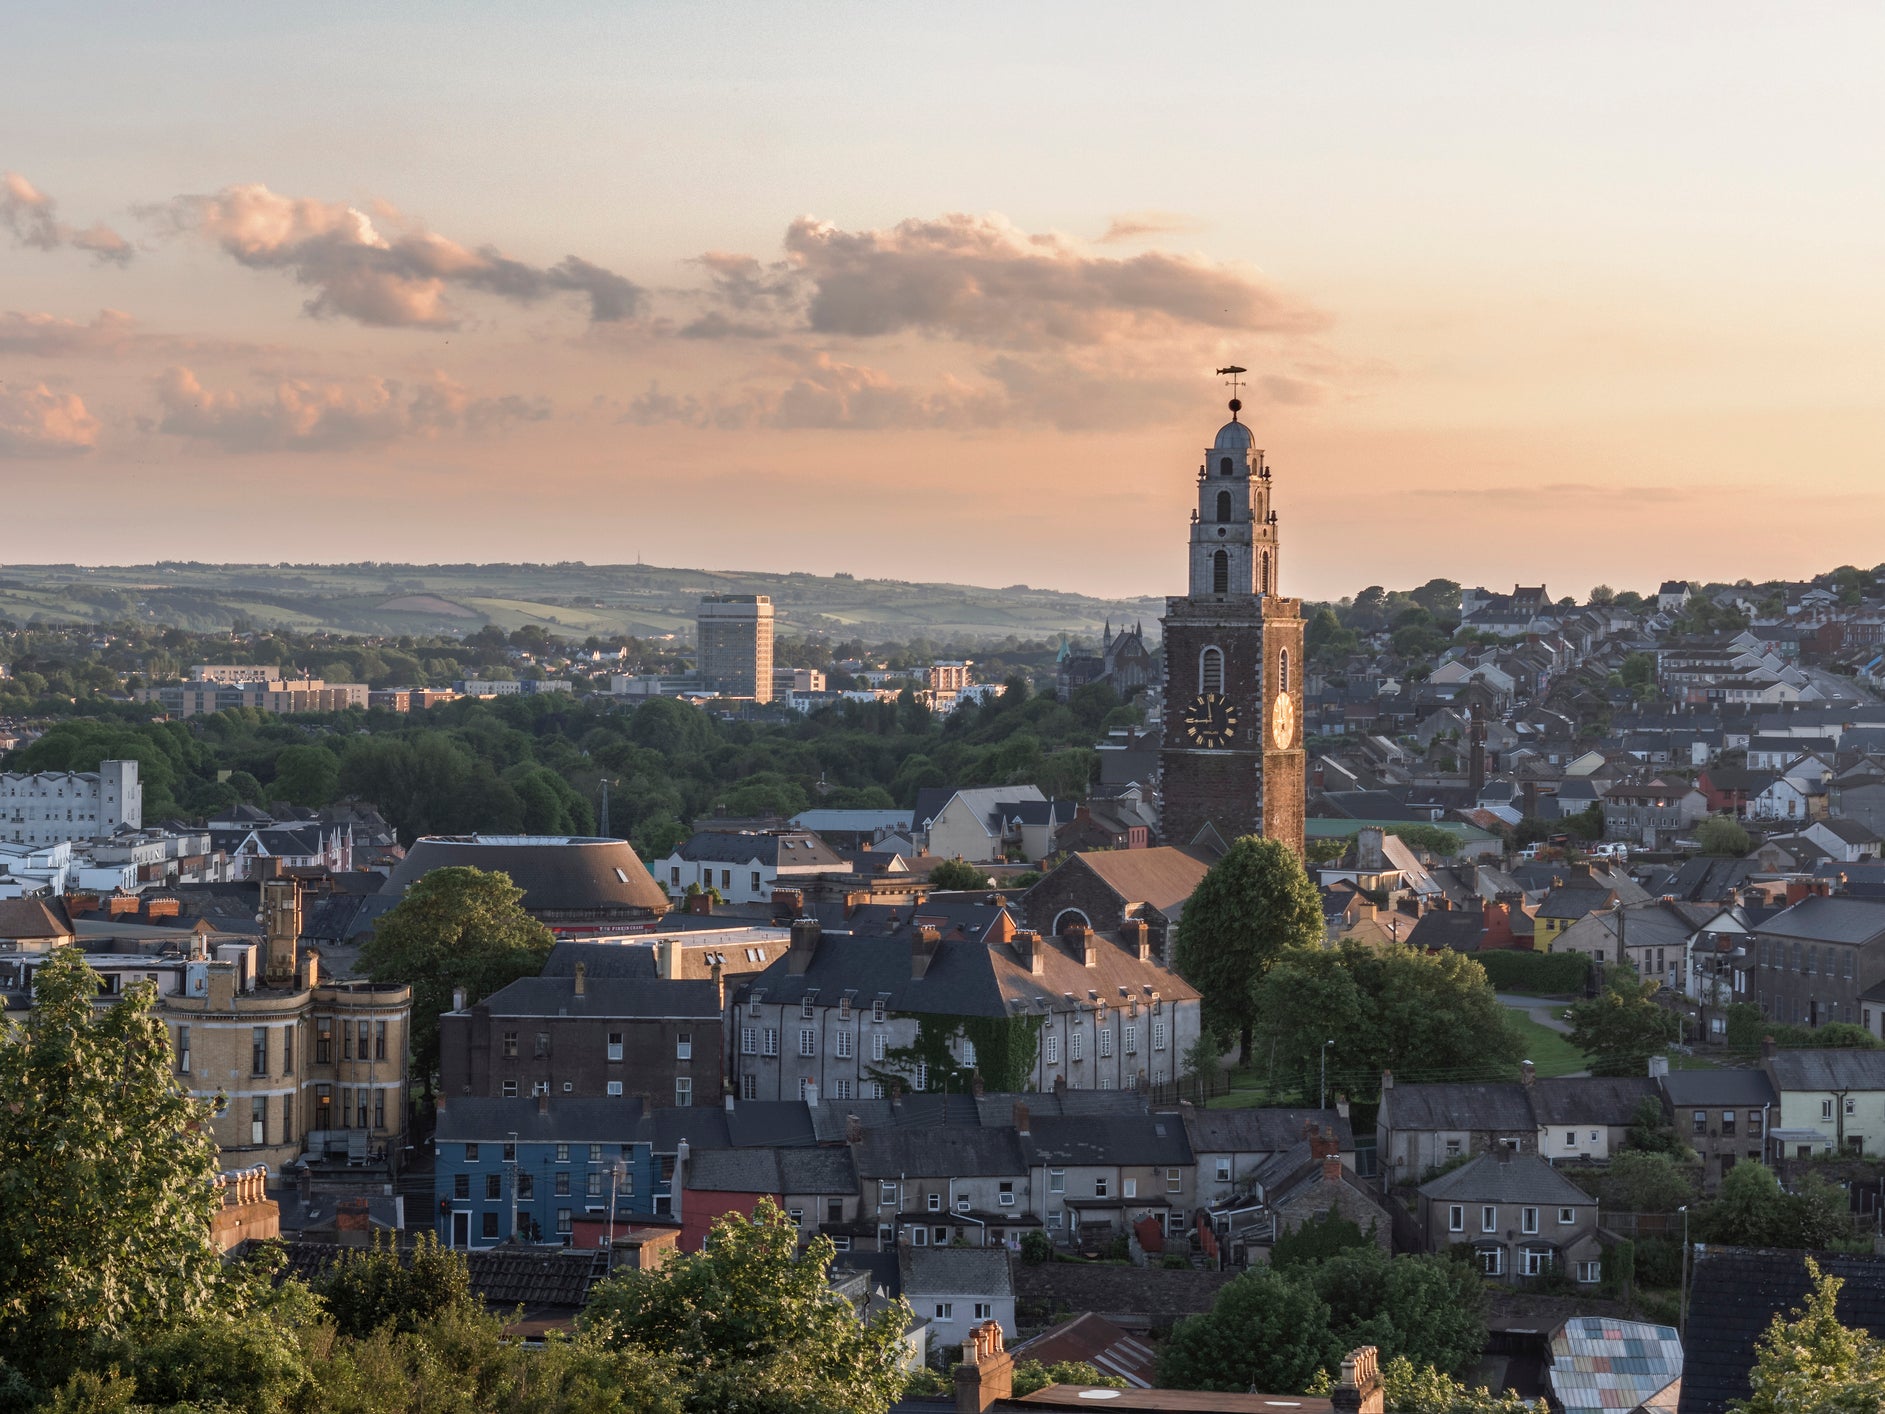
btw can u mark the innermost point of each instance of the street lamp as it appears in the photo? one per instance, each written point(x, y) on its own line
point(1682, 1309)
point(1325, 1073)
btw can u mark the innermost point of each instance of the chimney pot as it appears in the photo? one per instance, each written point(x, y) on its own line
point(1527, 1072)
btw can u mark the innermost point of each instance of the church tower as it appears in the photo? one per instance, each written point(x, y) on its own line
point(1231, 761)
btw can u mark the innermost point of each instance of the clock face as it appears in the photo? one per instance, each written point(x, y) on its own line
point(1209, 721)
point(1282, 720)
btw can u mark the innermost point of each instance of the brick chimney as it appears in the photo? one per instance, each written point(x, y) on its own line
point(1029, 952)
point(1136, 934)
point(986, 1375)
point(1086, 948)
point(1021, 1117)
point(853, 1130)
point(1527, 1072)
point(718, 973)
point(1768, 1049)
point(582, 978)
point(804, 945)
point(1371, 850)
point(924, 943)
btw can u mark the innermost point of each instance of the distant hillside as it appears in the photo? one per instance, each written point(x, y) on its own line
point(578, 599)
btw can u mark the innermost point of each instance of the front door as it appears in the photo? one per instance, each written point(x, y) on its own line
point(461, 1230)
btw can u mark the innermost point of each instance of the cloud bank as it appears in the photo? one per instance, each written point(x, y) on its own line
point(300, 415)
point(33, 219)
point(35, 421)
point(359, 272)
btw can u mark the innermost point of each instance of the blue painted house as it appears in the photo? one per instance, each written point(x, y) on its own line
point(549, 1161)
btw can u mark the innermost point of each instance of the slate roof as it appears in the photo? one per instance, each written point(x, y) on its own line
point(1258, 1131)
point(24, 919)
point(640, 997)
point(940, 1152)
point(1590, 1099)
point(1703, 1089)
point(600, 961)
point(1819, 919)
point(1466, 1107)
point(955, 1271)
point(1107, 1140)
point(734, 1171)
point(556, 873)
point(484, 1119)
point(797, 848)
point(1164, 876)
point(924, 1109)
point(1448, 929)
point(1830, 1068)
point(1511, 1178)
point(1735, 1293)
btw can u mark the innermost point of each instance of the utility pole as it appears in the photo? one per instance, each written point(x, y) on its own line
point(510, 1167)
point(1682, 1309)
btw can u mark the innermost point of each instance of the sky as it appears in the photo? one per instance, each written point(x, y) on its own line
point(1567, 293)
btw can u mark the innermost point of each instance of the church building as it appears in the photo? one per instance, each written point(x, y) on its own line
point(1231, 761)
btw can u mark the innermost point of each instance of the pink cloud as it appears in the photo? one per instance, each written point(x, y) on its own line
point(33, 218)
point(35, 421)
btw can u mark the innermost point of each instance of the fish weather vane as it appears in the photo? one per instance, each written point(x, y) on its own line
point(1236, 403)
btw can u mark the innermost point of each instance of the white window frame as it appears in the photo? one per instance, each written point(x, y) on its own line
point(1456, 1217)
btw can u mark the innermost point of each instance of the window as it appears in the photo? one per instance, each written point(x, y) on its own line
point(749, 1041)
point(1700, 1121)
point(540, 1087)
point(1266, 572)
point(379, 1109)
point(615, 1045)
point(805, 1005)
point(1220, 575)
point(1754, 1124)
point(843, 1044)
point(1727, 1124)
point(1211, 664)
point(1158, 1035)
point(749, 1087)
point(919, 1237)
point(1223, 507)
point(1488, 1219)
point(1589, 1273)
point(877, 1045)
point(769, 1042)
point(488, 1226)
point(258, 1120)
point(1074, 1046)
point(563, 1221)
point(288, 1050)
point(526, 1187)
point(592, 1185)
point(560, 1185)
point(1223, 1170)
point(683, 1091)
point(922, 1075)
point(1535, 1262)
point(365, 1027)
point(674, 874)
point(1570, 1138)
point(1567, 1216)
point(461, 1186)
point(1129, 1188)
point(471, 1153)
point(1057, 1180)
point(1132, 1040)
point(1826, 1109)
point(935, 1202)
point(1452, 1148)
point(510, 1045)
point(755, 883)
point(543, 1044)
point(288, 1135)
point(1174, 1180)
point(886, 1195)
point(877, 1009)
point(614, 1087)
point(562, 1153)
point(1456, 1218)
point(1050, 1049)
point(683, 1045)
point(258, 1051)
point(843, 1090)
point(1099, 1187)
point(323, 1042)
point(945, 1310)
point(1005, 1196)
point(984, 1311)
point(1106, 1041)
point(1528, 1220)
point(1492, 1261)
point(844, 1008)
point(346, 1041)
point(493, 1186)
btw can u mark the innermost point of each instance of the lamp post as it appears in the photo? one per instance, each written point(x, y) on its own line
point(1324, 1104)
point(1682, 1309)
point(511, 1166)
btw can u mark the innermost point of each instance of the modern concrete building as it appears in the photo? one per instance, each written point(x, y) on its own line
point(50, 807)
point(735, 637)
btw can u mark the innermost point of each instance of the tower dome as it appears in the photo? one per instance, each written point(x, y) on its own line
point(1233, 436)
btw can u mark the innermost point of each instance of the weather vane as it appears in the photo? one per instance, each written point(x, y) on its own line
point(1236, 403)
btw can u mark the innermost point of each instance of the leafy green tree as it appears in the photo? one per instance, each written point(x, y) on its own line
point(1399, 1008)
point(1622, 1028)
point(1721, 835)
point(105, 1168)
point(1750, 1209)
point(306, 775)
point(365, 1291)
point(1427, 1308)
point(1646, 1183)
point(1418, 1389)
point(1266, 1331)
point(1315, 1241)
point(1031, 1376)
point(1254, 904)
point(1650, 1132)
point(753, 1325)
point(456, 927)
point(957, 874)
point(1812, 1364)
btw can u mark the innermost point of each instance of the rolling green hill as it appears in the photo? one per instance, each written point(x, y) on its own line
point(570, 599)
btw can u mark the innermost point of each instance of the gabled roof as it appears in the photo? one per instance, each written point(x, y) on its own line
point(33, 919)
point(1701, 1089)
point(483, 1119)
point(958, 1152)
point(1261, 1131)
point(1164, 876)
point(1466, 1107)
point(1590, 1099)
point(775, 848)
point(638, 997)
point(1507, 1178)
point(1829, 1068)
point(1152, 1140)
point(955, 1271)
point(1092, 1339)
point(1818, 918)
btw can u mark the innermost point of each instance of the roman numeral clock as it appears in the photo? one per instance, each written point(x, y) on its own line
point(1230, 762)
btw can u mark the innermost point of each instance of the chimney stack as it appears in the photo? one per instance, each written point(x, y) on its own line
point(458, 999)
point(986, 1375)
point(718, 973)
point(1086, 948)
point(924, 943)
point(804, 945)
point(853, 1130)
point(1527, 1072)
point(582, 975)
point(1768, 1048)
point(1021, 1117)
point(1027, 945)
point(1136, 933)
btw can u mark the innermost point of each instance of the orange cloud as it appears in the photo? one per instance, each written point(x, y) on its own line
point(33, 218)
point(1136, 225)
point(360, 273)
point(37, 422)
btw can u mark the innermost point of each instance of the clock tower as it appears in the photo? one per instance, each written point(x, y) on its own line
point(1231, 761)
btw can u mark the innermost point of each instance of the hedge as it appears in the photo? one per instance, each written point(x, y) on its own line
point(1537, 973)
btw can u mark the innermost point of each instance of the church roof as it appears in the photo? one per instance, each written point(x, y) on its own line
point(1233, 436)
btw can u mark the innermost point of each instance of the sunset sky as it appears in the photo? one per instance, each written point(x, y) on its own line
point(1572, 293)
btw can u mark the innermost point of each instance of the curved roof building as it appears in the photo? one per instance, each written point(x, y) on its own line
point(568, 880)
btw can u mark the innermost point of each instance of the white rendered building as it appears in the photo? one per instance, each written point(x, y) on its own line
point(54, 806)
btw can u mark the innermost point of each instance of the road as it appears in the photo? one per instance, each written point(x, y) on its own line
point(1543, 1010)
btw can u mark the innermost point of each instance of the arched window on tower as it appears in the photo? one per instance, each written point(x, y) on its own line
point(1211, 671)
point(1266, 572)
point(1282, 671)
point(1224, 467)
point(1220, 573)
point(1223, 508)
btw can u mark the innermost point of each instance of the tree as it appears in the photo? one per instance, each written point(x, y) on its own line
point(1621, 1029)
point(1428, 1308)
point(1650, 1132)
point(105, 1168)
point(1812, 1364)
point(1266, 1330)
point(1031, 1376)
point(751, 1322)
point(1397, 1008)
point(1750, 1209)
point(1720, 835)
point(1646, 1183)
point(1311, 1243)
point(1254, 904)
point(456, 927)
point(957, 874)
point(306, 775)
point(1417, 1389)
point(365, 1291)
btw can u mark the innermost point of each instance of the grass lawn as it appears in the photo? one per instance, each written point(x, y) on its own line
point(1551, 1053)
